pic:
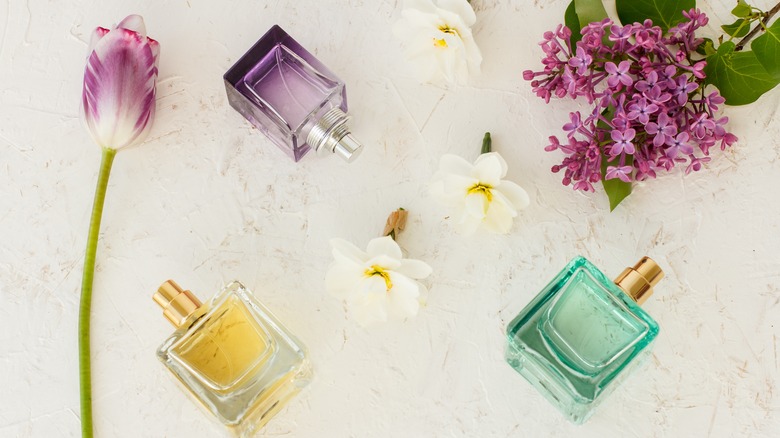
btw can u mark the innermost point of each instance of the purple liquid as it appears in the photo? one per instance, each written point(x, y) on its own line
point(283, 90)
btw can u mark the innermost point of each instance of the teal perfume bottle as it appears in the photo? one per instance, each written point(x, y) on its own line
point(583, 334)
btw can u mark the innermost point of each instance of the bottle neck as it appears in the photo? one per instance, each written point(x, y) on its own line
point(179, 306)
point(332, 135)
point(639, 280)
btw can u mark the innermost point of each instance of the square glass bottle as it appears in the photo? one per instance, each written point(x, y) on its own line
point(232, 355)
point(292, 97)
point(583, 333)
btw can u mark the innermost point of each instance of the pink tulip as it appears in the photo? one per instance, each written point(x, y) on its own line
point(117, 106)
point(119, 84)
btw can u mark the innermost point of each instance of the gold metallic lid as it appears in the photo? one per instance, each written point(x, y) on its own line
point(177, 304)
point(638, 281)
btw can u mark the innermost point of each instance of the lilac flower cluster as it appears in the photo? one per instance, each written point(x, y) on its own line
point(650, 111)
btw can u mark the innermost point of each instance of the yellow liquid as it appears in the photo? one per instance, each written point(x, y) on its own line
point(227, 348)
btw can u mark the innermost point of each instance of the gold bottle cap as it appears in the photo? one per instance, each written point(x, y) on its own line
point(638, 281)
point(177, 304)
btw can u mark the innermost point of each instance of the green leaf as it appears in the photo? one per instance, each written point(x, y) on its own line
point(741, 10)
point(664, 13)
point(589, 11)
point(572, 21)
point(706, 48)
point(740, 78)
point(616, 189)
point(737, 29)
point(767, 50)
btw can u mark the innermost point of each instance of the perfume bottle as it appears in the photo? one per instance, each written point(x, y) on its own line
point(582, 334)
point(232, 355)
point(285, 92)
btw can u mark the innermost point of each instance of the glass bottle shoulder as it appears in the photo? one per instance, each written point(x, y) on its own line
point(585, 320)
point(230, 341)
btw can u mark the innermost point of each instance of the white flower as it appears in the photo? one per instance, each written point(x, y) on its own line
point(438, 39)
point(478, 193)
point(377, 284)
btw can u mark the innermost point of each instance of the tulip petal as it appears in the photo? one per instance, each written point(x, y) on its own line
point(134, 23)
point(119, 89)
point(155, 46)
point(97, 35)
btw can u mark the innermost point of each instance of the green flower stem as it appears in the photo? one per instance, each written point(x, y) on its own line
point(486, 143)
point(761, 26)
point(85, 371)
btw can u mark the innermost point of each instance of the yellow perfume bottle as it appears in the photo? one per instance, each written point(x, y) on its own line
point(232, 354)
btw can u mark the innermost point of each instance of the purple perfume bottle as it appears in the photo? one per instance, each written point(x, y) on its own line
point(284, 91)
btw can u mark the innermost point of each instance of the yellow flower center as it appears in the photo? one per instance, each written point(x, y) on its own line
point(483, 189)
point(380, 271)
point(441, 42)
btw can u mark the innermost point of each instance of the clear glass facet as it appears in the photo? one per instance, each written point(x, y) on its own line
point(283, 90)
point(237, 360)
point(578, 337)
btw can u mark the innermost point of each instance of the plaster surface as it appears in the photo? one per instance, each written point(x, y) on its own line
point(208, 199)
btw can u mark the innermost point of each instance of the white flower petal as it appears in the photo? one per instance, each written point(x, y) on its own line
point(490, 168)
point(426, 6)
point(402, 300)
point(468, 223)
point(499, 198)
point(477, 204)
point(368, 287)
point(342, 281)
point(423, 298)
point(370, 309)
point(441, 33)
point(457, 186)
point(383, 261)
point(454, 164)
point(384, 246)
point(347, 251)
point(516, 195)
point(462, 8)
point(414, 268)
point(498, 218)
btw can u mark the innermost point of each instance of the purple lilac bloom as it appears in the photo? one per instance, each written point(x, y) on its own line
point(647, 95)
point(618, 73)
point(574, 125)
point(678, 144)
point(622, 173)
point(682, 88)
point(622, 142)
point(640, 110)
point(650, 81)
point(581, 62)
point(663, 129)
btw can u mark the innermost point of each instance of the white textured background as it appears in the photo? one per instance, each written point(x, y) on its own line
point(208, 199)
